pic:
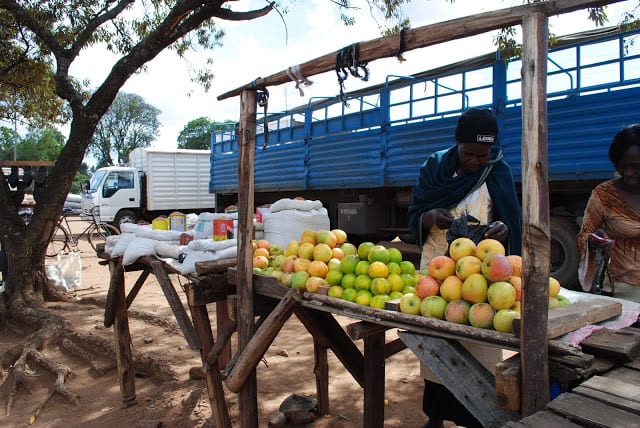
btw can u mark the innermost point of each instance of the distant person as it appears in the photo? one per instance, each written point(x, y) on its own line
point(613, 213)
point(469, 177)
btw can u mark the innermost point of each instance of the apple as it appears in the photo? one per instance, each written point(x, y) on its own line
point(481, 315)
point(468, 265)
point(461, 247)
point(260, 262)
point(503, 320)
point(554, 287)
point(292, 248)
point(322, 252)
point(263, 243)
point(457, 312)
point(451, 288)
point(434, 307)
point(301, 265)
point(379, 300)
point(337, 253)
point(261, 252)
point(341, 236)
point(326, 237)
point(501, 295)
point(427, 286)
point(410, 304)
point(299, 280)
point(309, 236)
point(275, 250)
point(313, 284)
point(305, 250)
point(563, 300)
point(318, 268)
point(489, 246)
point(285, 279)
point(553, 303)
point(496, 267)
point(516, 281)
point(474, 288)
point(441, 267)
point(516, 264)
point(277, 262)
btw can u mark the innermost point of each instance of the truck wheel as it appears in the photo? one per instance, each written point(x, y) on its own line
point(565, 255)
point(125, 216)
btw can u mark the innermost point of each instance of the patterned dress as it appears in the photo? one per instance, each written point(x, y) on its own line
point(608, 209)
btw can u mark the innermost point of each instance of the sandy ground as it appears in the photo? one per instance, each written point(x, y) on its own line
point(180, 402)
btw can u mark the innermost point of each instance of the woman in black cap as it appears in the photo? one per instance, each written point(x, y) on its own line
point(469, 178)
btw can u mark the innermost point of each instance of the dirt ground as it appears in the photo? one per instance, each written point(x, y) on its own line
point(178, 401)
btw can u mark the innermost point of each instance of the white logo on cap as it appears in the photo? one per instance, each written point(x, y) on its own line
point(485, 138)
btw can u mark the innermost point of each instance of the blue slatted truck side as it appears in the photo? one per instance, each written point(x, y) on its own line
point(362, 158)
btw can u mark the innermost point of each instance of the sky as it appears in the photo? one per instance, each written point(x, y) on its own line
point(265, 46)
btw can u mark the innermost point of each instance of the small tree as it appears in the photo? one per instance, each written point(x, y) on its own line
point(130, 122)
point(197, 133)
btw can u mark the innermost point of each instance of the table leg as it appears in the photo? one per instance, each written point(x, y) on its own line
point(374, 361)
point(321, 371)
point(124, 360)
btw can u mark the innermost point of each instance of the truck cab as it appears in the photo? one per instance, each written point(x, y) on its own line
point(112, 191)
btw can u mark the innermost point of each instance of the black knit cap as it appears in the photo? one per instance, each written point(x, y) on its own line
point(477, 126)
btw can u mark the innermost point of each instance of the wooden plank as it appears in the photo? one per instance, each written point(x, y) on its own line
point(215, 391)
point(26, 163)
point(593, 413)
point(221, 345)
point(633, 364)
point(215, 266)
point(625, 374)
point(467, 379)
point(385, 47)
point(621, 344)
point(178, 310)
point(393, 347)
point(362, 329)
point(253, 352)
point(321, 371)
point(618, 394)
point(507, 381)
point(248, 397)
point(224, 324)
point(435, 327)
point(545, 418)
point(579, 314)
point(374, 364)
point(122, 336)
point(534, 353)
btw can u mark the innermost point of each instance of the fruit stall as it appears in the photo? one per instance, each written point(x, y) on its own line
point(475, 293)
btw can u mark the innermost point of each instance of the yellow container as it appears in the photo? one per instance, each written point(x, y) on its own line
point(160, 223)
point(177, 221)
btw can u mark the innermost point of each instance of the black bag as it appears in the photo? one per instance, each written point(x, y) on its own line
point(467, 226)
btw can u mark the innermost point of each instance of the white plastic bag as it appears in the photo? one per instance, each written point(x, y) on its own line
point(71, 269)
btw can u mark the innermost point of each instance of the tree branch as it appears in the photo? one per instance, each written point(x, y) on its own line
point(230, 15)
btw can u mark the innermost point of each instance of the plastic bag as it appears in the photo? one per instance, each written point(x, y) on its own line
point(71, 270)
point(467, 226)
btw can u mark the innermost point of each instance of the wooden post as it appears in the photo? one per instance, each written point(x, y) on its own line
point(248, 396)
point(124, 360)
point(321, 370)
point(535, 211)
point(374, 381)
point(223, 323)
point(215, 390)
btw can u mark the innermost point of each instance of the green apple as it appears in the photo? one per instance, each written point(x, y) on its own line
point(410, 304)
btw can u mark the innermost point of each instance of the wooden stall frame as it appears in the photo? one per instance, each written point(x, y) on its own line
point(533, 18)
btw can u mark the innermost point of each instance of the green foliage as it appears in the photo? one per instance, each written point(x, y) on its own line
point(129, 123)
point(197, 133)
point(40, 144)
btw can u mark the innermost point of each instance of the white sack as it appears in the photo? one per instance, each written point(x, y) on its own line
point(281, 227)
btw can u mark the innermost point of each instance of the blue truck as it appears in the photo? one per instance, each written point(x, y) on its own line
point(361, 157)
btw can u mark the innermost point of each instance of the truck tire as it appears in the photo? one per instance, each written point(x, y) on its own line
point(125, 216)
point(565, 255)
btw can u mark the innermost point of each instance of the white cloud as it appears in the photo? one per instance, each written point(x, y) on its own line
point(259, 48)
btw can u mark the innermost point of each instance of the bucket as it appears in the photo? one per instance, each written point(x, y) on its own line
point(177, 221)
point(222, 229)
point(160, 223)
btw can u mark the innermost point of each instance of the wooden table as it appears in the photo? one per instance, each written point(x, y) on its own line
point(433, 341)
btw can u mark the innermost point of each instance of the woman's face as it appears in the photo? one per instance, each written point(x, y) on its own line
point(629, 167)
point(473, 156)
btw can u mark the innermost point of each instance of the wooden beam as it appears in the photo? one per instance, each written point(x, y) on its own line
point(248, 396)
point(385, 47)
point(26, 163)
point(535, 216)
